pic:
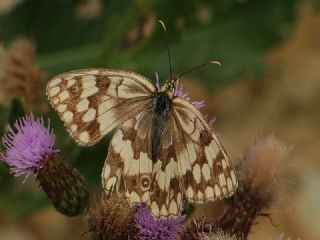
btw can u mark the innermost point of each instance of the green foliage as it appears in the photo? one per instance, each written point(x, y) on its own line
point(237, 33)
point(16, 110)
point(316, 3)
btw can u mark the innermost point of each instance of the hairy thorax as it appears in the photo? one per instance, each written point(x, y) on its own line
point(162, 108)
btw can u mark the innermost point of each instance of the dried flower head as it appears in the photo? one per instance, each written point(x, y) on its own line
point(260, 174)
point(219, 235)
point(19, 76)
point(261, 167)
point(111, 218)
point(29, 148)
point(197, 228)
point(151, 228)
point(7, 6)
point(28, 145)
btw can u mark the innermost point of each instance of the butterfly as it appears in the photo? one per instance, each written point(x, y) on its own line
point(163, 152)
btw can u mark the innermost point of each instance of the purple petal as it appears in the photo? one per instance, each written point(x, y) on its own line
point(151, 228)
point(27, 145)
point(178, 92)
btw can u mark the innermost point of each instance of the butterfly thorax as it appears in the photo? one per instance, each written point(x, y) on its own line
point(161, 110)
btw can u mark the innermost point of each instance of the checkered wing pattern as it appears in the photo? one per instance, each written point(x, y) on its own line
point(92, 102)
point(128, 167)
point(192, 164)
point(205, 169)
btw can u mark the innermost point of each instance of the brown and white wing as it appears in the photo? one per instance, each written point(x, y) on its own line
point(205, 169)
point(128, 167)
point(167, 192)
point(92, 102)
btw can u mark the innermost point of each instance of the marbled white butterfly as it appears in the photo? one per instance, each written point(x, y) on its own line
point(163, 152)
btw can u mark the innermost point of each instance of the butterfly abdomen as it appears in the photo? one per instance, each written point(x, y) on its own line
point(162, 107)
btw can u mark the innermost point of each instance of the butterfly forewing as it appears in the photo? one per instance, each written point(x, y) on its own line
point(92, 102)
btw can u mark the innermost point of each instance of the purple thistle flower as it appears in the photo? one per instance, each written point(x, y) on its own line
point(178, 92)
point(28, 145)
point(29, 148)
point(151, 228)
point(211, 121)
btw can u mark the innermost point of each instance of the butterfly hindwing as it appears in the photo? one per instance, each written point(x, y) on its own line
point(92, 102)
point(129, 162)
point(192, 164)
point(206, 170)
point(167, 192)
point(129, 159)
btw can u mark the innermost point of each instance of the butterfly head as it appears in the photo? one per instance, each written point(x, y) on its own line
point(169, 86)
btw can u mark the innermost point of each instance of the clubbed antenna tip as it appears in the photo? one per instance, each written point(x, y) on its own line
point(216, 63)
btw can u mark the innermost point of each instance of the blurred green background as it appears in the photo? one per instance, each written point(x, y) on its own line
point(253, 93)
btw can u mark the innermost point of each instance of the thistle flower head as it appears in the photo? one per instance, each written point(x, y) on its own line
point(29, 148)
point(180, 93)
point(27, 145)
point(19, 75)
point(260, 176)
point(151, 228)
point(261, 167)
point(198, 228)
point(111, 218)
point(219, 235)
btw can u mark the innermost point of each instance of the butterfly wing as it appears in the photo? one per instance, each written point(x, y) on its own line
point(205, 169)
point(193, 165)
point(167, 192)
point(129, 166)
point(92, 102)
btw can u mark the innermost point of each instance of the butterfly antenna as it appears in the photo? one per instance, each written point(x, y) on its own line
point(166, 36)
point(198, 67)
